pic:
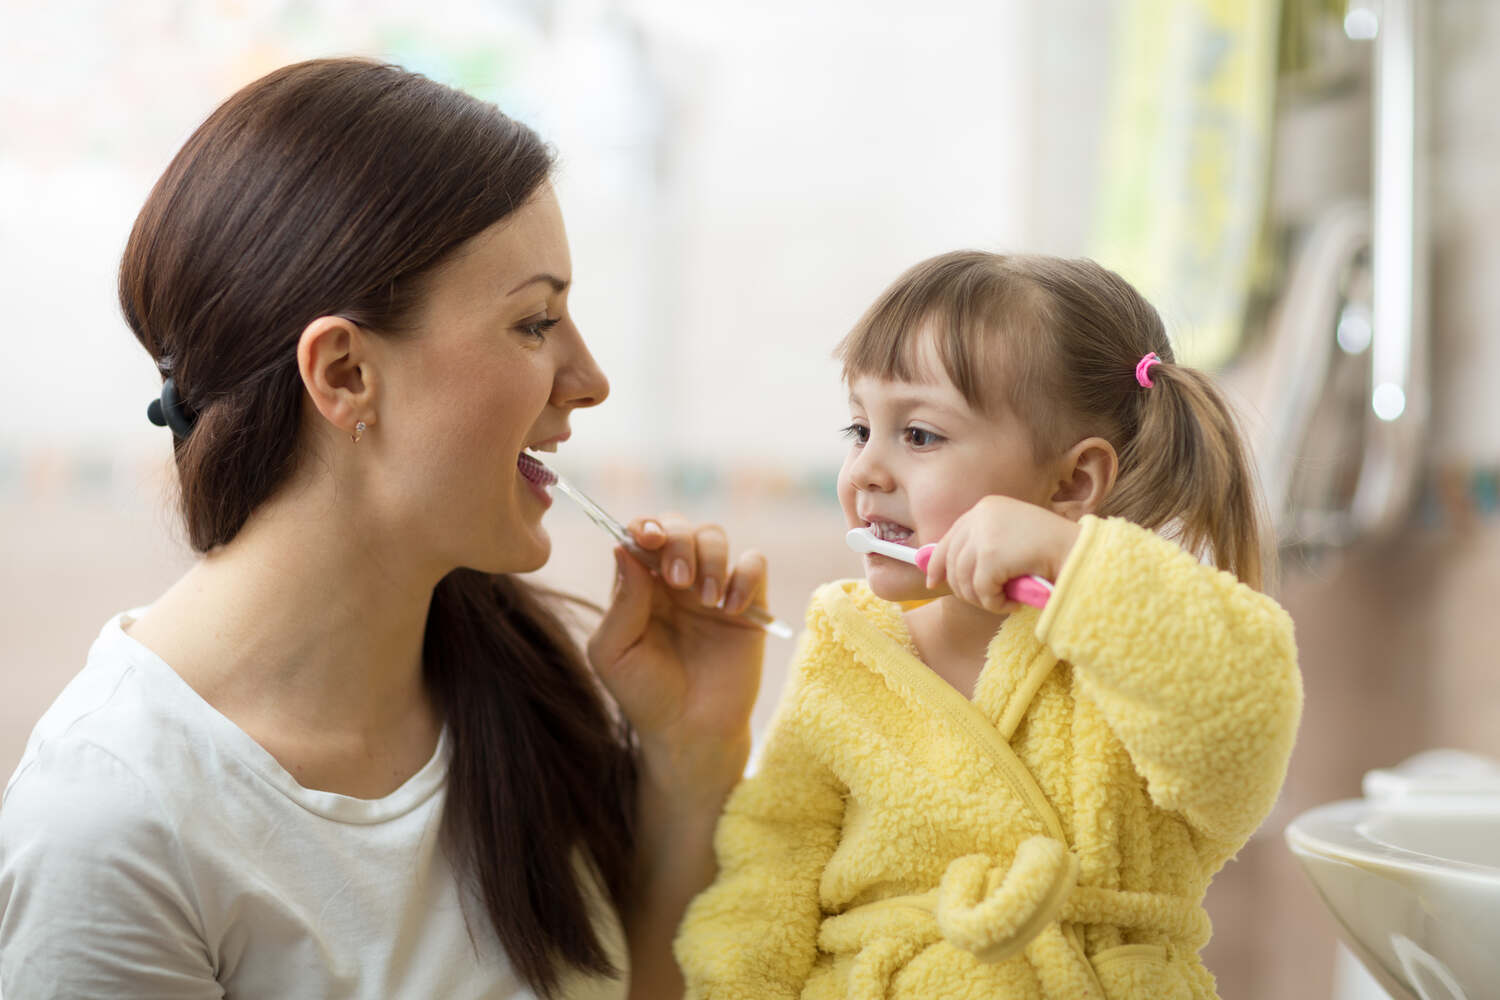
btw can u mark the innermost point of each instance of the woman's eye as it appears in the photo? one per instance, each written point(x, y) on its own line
point(917, 437)
point(538, 327)
point(858, 433)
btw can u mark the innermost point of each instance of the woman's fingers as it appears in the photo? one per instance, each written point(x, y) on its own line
point(678, 552)
point(648, 533)
point(747, 583)
point(712, 547)
point(691, 555)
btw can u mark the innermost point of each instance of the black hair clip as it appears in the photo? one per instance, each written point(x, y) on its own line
point(168, 411)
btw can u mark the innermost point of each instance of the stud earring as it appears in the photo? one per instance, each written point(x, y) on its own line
point(359, 430)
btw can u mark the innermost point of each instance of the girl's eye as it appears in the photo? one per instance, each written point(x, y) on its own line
point(858, 433)
point(538, 327)
point(918, 437)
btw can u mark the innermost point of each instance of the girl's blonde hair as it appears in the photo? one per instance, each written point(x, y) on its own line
point(1057, 341)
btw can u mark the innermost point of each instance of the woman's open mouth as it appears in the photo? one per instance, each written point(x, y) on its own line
point(534, 471)
point(538, 477)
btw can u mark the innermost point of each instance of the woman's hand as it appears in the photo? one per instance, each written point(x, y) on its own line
point(999, 539)
point(684, 672)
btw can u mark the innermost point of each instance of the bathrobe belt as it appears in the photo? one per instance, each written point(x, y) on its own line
point(997, 912)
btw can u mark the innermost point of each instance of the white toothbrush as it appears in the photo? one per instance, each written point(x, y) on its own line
point(652, 560)
point(1032, 590)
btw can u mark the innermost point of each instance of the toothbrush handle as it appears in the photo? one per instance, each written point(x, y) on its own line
point(1032, 590)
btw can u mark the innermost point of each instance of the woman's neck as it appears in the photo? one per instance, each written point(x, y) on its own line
point(953, 637)
point(309, 638)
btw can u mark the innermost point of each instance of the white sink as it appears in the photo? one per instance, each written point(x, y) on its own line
point(1412, 874)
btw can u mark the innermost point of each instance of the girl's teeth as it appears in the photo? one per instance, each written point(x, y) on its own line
point(890, 532)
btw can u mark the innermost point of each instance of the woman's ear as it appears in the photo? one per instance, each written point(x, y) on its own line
point(1086, 474)
point(334, 360)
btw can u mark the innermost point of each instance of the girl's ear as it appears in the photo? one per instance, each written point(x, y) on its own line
point(333, 358)
point(1086, 474)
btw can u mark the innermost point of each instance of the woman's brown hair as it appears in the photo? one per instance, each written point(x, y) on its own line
point(1058, 341)
point(334, 187)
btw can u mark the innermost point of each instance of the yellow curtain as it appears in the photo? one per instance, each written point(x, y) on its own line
point(1186, 163)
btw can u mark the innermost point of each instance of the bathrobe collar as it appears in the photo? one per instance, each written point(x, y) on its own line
point(1016, 662)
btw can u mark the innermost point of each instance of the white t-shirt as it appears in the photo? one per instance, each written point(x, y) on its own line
point(150, 848)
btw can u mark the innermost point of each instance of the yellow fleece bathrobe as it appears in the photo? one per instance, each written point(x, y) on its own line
point(1052, 838)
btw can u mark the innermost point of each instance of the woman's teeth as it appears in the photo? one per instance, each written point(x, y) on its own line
point(888, 532)
point(535, 471)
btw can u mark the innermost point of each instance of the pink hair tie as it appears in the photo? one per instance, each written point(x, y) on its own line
point(1143, 370)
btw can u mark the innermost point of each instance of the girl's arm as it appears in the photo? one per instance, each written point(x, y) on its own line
point(753, 934)
point(1195, 672)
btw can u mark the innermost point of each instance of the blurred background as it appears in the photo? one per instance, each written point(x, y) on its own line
point(740, 180)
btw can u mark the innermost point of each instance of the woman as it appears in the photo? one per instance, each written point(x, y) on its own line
point(347, 754)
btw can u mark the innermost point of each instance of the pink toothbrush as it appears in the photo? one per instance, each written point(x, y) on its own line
point(1032, 590)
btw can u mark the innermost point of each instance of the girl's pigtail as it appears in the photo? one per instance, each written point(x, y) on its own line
point(1186, 470)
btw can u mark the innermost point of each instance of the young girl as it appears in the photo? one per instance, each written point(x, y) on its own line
point(962, 797)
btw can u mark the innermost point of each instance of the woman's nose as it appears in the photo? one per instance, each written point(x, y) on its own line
point(580, 382)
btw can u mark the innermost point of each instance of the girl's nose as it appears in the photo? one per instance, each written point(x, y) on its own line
point(868, 472)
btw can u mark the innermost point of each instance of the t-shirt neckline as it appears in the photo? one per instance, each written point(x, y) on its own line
point(411, 794)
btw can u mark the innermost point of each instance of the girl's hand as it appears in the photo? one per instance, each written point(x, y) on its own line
point(684, 672)
point(996, 540)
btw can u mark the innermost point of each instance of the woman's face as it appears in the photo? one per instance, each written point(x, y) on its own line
point(495, 367)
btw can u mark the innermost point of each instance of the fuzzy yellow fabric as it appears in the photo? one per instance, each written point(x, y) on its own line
point(1051, 838)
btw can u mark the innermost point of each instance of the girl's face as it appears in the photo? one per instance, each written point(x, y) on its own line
point(495, 367)
point(919, 456)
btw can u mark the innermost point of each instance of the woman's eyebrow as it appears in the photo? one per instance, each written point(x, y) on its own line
point(557, 283)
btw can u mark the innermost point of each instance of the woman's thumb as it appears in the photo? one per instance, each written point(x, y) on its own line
point(628, 615)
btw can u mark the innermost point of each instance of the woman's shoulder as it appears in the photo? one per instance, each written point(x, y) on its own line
point(115, 735)
point(90, 839)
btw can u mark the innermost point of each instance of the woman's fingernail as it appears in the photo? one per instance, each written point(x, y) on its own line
point(679, 575)
point(652, 528)
point(732, 601)
point(710, 591)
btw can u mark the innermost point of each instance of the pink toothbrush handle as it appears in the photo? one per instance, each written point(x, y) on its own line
point(1028, 590)
point(1032, 590)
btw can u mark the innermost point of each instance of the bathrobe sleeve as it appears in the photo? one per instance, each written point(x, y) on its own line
point(1195, 672)
point(752, 935)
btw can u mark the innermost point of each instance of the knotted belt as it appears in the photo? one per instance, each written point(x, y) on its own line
point(997, 912)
